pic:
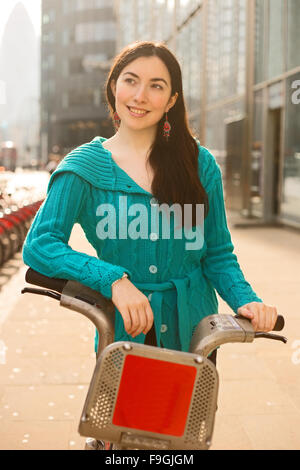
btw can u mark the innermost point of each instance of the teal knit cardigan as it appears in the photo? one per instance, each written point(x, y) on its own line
point(179, 283)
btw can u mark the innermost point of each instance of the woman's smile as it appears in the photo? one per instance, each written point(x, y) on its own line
point(137, 112)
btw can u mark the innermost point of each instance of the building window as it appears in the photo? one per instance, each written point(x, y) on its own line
point(51, 61)
point(75, 66)
point(257, 156)
point(46, 19)
point(127, 10)
point(103, 3)
point(92, 62)
point(81, 97)
point(51, 87)
point(49, 17)
point(49, 37)
point(291, 183)
point(196, 64)
point(97, 97)
point(81, 5)
point(225, 49)
point(185, 8)
point(259, 40)
point(65, 37)
point(66, 7)
point(65, 100)
point(275, 46)
point(92, 4)
point(293, 34)
point(94, 32)
point(144, 10)
point(65, 68)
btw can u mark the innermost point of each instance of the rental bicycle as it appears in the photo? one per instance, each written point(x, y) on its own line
point(147, 397)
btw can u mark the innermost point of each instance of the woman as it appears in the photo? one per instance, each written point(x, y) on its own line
point(161, 286)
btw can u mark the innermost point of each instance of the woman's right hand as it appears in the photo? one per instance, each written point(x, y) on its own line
point(133, 306)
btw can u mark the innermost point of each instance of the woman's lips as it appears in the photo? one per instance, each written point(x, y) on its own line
point(137, 115)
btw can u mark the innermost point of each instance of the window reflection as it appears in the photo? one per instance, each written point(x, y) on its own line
point(257, 156)
point(291, 183)
point(293, 34)
point(226, 56)
point(216, 129)
point(275, 59)
point(259, 40)
point(185, 8)
point(144, 19)
point(80, 5)
point(127, 10)
point(93, 32)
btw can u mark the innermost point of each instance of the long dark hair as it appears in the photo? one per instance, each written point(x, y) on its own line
point(174, 162)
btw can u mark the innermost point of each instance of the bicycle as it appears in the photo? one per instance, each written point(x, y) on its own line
point(146, 397)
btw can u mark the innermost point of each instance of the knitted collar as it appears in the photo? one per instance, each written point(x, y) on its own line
point(94, 163)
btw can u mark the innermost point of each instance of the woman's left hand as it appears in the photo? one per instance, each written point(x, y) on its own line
point(263, 317)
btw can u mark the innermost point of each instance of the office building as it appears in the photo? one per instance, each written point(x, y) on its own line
point(241, 75)
point(78, 42)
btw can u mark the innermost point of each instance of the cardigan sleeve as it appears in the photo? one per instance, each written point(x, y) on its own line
point(46, 248)
point(220, 264)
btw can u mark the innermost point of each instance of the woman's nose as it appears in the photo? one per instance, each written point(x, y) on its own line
point(141, 94)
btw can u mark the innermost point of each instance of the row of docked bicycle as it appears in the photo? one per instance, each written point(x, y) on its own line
point(14, 224)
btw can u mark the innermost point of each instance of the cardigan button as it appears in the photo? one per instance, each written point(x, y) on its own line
point(153, 269)
point(153, 201)
point(153, 236)
point(163, 328)
point(150, 296)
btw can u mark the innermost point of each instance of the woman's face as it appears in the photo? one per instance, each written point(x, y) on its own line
point(143, 92)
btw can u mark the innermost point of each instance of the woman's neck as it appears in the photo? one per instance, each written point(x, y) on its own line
point(138, 142)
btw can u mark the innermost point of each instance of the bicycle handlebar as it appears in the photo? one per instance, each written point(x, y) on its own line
point(211, 332)
point(37, 279)
point(279, 325)
point(33, 277)
point(80, 298)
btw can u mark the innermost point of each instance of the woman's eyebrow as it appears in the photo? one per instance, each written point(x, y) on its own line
point(152, 79)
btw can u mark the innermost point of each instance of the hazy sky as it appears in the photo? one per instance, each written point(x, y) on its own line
point(33, 7)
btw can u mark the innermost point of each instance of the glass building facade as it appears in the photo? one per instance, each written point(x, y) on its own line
point(275, 145)
point(241, 77)
point(78, 44)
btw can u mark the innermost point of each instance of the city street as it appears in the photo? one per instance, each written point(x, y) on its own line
point(122, 89)
point(47, 358)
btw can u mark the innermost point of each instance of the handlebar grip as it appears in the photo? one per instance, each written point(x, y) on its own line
point(279, 325)
point(38, 279)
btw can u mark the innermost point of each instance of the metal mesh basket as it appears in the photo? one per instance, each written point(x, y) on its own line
point(98, 418)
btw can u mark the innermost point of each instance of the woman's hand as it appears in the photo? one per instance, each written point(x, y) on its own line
point(263, 317)
point(133, 306)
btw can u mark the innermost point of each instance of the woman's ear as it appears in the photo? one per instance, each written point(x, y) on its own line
point(172, 101)
point(113, 87)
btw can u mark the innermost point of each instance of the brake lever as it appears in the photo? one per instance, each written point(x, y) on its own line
point(270, 336)
point(49, 293)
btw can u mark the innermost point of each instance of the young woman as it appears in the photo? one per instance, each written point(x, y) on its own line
point(120, 189)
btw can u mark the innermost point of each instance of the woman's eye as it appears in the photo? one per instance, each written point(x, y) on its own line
point(130, 80)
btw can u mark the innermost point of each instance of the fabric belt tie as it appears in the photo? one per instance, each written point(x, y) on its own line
point(182, 291)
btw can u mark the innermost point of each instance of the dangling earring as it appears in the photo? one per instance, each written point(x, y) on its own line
point(117, 120)
point(167, 128)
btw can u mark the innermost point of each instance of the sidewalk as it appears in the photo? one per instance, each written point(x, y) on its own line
point(49, 359)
